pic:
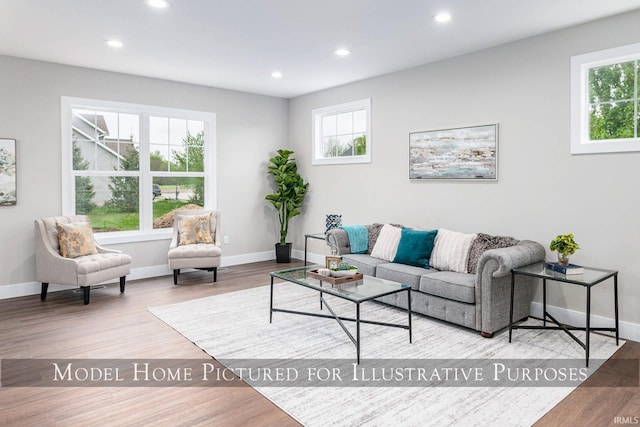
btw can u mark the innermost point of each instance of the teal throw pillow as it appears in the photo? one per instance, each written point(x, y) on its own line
point(415, 247)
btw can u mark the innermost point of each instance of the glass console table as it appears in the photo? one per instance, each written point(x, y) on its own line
point(590, 278)
point(318, 236)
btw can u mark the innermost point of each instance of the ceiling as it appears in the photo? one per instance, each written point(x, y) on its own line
point(237, 44)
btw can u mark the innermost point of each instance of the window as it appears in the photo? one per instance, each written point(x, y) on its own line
point(605, 91)
point(126, 166)
point(342, 133)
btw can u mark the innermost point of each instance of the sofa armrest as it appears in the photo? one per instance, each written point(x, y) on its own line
point(524, 253)
point(339, 239)
point(493, 285)
point(50, 265)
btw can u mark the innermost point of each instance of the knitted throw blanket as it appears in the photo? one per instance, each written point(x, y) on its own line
point(358, 238)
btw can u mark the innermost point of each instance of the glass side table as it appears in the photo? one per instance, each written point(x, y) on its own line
point(590, 278)
point(318, 236)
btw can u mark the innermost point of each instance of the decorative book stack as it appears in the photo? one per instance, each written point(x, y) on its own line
point(565, 269)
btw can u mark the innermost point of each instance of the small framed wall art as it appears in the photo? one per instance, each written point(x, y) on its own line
point(333, 261)
point(465, 153)
point(7, 172)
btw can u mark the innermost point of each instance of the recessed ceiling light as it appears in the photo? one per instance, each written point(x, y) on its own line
point(442, 17)
point(276, 75)
point(342, 52)
point(114, 43)
point(158, 4)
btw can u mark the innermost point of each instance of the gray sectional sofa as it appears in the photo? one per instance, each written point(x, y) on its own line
point(479, 301)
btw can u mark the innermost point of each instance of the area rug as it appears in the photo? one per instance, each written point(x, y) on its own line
point(236, 326)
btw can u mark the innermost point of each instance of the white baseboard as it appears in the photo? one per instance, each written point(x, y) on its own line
point(311, 257)
point(33, 288)
point(247, 258)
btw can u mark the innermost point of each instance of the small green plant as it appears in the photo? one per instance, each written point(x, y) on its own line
point(564, 244)
point(344, 266)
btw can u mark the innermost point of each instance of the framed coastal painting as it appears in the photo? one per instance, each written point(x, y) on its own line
point(464, 153)
point(7, 172)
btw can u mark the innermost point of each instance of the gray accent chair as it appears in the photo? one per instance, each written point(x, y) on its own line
point(84, 271)
point(201, 256)
point(478, 301)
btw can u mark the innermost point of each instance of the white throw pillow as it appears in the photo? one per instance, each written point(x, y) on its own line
point(451, 250)
point(387, 244)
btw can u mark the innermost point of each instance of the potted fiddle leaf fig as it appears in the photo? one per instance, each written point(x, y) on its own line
point(287, 198)
point(565, 245)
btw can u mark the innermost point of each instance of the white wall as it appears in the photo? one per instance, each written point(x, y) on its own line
point(542, 190)
point(250, 128)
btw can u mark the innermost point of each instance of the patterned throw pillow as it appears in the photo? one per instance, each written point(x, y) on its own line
point(483, 243)
point(76, 239)
point(387, 243)
point(374, 232)
point(451, 250)
point(194, 229)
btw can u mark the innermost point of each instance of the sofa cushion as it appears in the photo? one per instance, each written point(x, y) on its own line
point(387, 243)
point(451, 250)
point(415, 247)
point(450, 285)
point(99, 262)
point(366, 264)
point(484, 242)
point(401, 273)
point(198, 250)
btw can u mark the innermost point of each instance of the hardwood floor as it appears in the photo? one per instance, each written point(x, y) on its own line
point(115, 326)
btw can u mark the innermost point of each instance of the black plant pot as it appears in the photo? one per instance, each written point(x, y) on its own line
point(283, 252)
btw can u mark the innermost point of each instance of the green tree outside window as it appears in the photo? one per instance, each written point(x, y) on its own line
point(613, 102)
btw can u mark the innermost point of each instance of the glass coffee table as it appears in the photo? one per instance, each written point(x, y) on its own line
point(366, 289)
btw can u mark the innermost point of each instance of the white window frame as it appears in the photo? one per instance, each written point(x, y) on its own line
point(317, 158)
point(146, 232)
point(580, 66)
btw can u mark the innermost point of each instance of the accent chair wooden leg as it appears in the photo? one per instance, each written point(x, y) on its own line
point(122, 281)
point(85, 293)
point(215, 274)
point(175, 276)
point(43, 291)
point(486, 334)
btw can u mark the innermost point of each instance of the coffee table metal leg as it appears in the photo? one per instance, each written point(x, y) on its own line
point(271, 301)
point(615, 300)
point(358, 331)
point(513, 281)
point(409, 311)
point(544, 302)
point(587, 329)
